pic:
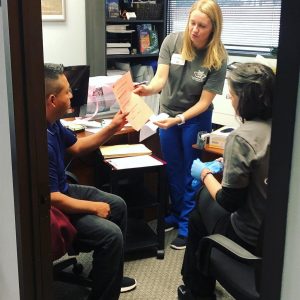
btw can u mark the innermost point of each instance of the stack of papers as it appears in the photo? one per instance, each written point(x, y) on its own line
point(118, 45)
point(124, 150)
point(85, 123)
point(134, 162)
point(118, 28)
point(117, 50)
point(139, 111)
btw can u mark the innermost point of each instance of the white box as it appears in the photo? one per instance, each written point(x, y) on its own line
point(218, 137)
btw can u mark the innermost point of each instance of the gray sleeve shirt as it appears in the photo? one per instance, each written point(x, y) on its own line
point(186, 80)
point(246, 164)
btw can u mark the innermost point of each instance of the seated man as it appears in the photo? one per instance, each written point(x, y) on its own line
point(99, 217)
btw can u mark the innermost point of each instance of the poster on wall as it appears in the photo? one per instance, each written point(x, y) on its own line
point(53, 10)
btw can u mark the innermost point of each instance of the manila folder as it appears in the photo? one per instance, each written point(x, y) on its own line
point(124, 150)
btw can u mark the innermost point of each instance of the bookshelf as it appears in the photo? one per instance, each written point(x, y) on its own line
point(97, 37)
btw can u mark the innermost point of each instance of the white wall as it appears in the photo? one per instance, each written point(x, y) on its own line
point(291, 269)
point(64, 41)
point(9, 279)
point(223, 113)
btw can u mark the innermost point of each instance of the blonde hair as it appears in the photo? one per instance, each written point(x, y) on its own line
point(216, 52)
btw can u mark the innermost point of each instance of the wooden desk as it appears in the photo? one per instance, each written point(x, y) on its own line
point(125, 130)
point(217, 151)
point(130, 136)
point(87, 167)
point(142, 188)
point(209, 153)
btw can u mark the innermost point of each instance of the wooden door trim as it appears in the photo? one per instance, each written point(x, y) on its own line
point(24, 58)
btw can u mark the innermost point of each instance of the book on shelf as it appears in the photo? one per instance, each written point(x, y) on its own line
point(124, 150)
point(148, 39)
point(144, 41)
point(118, 28)
point(119, 37)
point(117, 50)
point(118, 45)
point(112, 8)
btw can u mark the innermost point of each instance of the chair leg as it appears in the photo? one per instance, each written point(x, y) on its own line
point(64, 264)
point(59, 273)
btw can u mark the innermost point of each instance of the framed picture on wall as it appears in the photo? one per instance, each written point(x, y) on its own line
point(53, 10)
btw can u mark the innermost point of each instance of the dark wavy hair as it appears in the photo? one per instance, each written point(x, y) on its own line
point(52, 73)
point(253, 83)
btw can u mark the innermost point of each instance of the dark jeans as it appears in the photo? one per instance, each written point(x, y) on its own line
point(207, 218)
point(103, 236)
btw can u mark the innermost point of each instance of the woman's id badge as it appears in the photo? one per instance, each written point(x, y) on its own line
point(176, 59)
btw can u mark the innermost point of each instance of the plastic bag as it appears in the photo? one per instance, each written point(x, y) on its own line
point(101, 98)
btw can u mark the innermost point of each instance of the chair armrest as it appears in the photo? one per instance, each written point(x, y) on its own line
point(228, 247)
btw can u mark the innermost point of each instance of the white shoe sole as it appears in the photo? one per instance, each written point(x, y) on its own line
point(177, 247)
point(128, 288)
point(169, 229)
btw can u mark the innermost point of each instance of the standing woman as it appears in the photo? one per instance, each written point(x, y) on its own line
point(191, 71)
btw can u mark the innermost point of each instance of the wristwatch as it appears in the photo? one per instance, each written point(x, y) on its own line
point(181, 117)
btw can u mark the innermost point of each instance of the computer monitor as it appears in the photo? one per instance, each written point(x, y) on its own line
point(78, 77)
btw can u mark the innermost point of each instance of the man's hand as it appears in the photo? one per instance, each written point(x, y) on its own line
point(119, 120)
point(71, 205)
point(102, 209)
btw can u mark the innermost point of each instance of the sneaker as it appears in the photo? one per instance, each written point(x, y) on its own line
point(128, 284)
point(169, 227)
point(185, 294)
point(179, 243)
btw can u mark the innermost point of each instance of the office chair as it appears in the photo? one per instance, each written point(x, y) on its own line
point(59, 266)
point(75, 276)
point(235, 268)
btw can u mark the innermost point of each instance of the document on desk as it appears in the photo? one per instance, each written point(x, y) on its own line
point(124, 150)
point(134, 162)
point(139, 111)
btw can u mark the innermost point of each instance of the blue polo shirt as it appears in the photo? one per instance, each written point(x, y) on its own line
point(59, 139)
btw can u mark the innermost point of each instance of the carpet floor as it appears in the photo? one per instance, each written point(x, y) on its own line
point(157, 279)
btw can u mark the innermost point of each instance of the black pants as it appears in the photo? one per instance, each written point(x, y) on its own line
point(207, 218)
point(103, 236)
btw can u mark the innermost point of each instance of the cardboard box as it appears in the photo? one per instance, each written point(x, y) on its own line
point(218, 137)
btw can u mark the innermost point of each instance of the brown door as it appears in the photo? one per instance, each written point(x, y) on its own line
point(24, 71)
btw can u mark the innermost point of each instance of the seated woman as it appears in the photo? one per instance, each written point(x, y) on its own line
point(236, 207)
